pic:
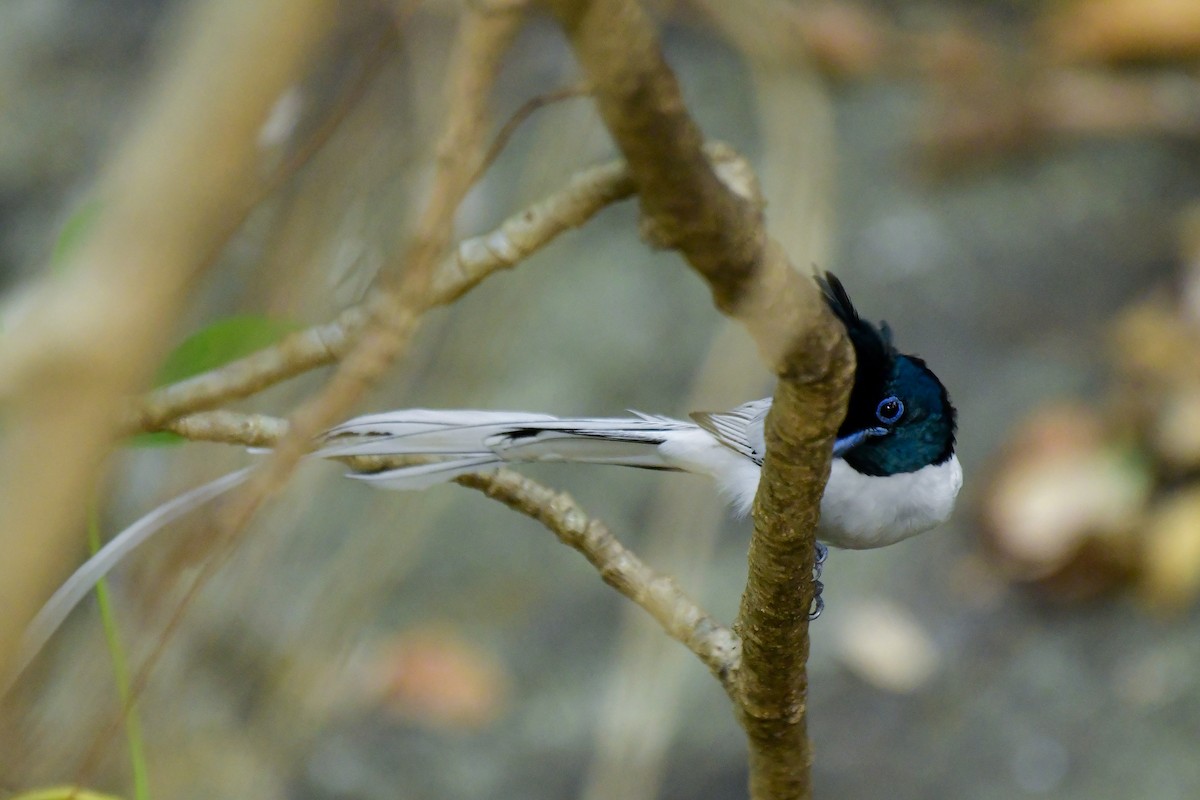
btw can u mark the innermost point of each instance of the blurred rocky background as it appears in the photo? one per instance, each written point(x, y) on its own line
point(1012, 185)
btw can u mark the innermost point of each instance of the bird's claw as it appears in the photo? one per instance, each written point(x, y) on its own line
point(818, 602)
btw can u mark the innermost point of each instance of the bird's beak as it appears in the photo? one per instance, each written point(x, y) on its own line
point(848, 443)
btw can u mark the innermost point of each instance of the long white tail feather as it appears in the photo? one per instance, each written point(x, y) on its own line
point(510, 436)
point(460, 442)
point(419, 420)
point(728, 447)
point(422, 476)
point(84, 579)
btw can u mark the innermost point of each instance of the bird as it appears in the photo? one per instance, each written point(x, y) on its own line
point(894, 471)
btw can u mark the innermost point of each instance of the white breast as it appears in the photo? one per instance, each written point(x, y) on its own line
point(858, 511)
point(862, 511)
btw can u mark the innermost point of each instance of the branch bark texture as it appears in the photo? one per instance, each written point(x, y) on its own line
point(394, 312)
point(723, 238)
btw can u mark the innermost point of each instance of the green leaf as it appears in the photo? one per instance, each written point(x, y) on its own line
point(221, 342)
point(155, 439)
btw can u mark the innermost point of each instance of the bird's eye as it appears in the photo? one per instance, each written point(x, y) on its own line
point(889, 410)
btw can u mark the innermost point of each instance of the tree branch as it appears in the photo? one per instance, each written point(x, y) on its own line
point(723, 238)
point(658, 595)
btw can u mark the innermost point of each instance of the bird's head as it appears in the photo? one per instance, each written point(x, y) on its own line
point(900, 418)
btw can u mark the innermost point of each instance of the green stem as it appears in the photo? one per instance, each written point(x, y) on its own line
point(133, 726)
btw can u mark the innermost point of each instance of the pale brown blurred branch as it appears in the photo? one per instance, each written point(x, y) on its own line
point(91, 336)
point(394, 311)
point(523, 113)
point(483, 37)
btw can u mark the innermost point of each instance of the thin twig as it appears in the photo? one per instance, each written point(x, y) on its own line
point(518, 118)
point(658, 595)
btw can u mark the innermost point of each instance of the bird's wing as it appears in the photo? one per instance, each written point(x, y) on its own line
point(740, 429)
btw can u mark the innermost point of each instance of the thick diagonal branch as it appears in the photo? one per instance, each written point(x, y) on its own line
point(723, 238)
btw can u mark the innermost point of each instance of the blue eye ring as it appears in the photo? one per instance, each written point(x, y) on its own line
point(889, 410)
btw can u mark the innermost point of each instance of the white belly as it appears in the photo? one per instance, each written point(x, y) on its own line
point(861, 511)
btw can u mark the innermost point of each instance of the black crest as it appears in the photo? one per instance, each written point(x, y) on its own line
point(873, 351)
point(923, 434)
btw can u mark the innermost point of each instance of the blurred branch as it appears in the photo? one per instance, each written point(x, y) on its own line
point(722, 236)
point(983, 106)
point(638, 717)
point(518, 118)
point(484, 35)
point(769, 35)
point(687, 205)
point(92, 334)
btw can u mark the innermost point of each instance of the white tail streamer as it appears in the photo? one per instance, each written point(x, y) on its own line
point(84, 579)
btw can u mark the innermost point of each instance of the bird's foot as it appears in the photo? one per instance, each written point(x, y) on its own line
point(818, 602)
